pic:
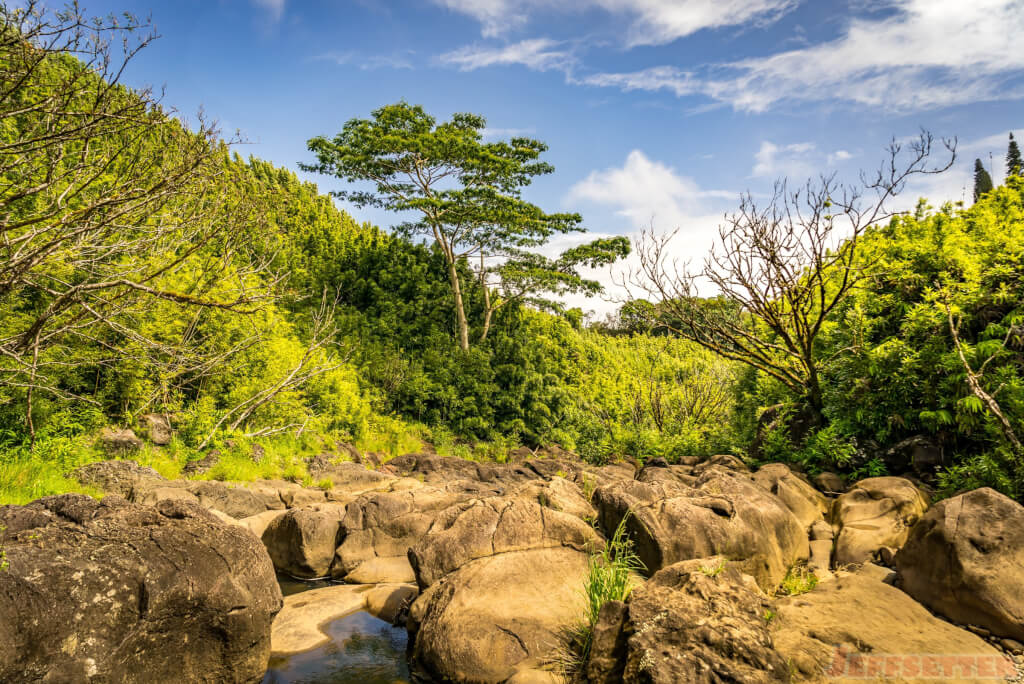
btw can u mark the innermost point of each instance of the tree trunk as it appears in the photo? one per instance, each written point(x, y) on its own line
point(460, 312)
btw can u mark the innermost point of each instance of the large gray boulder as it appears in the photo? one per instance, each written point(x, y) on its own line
point(495, 613)
point(117, 592)
point(965, 560)
point(857, 621)
point(503, 582)
point(481, 528)
point(379, 529)
point(301, 542)
point(724, 513)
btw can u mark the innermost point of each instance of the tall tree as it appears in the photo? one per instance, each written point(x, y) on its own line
point(779, 270)
point(982, 180)
point(465, 194)
point(1013, 160)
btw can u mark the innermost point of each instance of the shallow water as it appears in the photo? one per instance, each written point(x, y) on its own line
point(362, 650)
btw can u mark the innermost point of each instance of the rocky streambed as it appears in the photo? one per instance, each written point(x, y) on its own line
point(484, 566)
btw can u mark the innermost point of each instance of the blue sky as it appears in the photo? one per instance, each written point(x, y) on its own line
point(655, 111)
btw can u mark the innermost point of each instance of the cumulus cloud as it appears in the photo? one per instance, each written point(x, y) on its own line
point(924, 54)
point(649, 22)
point(648, 193)
point(539, 54)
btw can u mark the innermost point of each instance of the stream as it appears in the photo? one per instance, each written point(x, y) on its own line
point(362, 650)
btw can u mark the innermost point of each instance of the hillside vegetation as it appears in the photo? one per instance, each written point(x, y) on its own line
point(146, 268)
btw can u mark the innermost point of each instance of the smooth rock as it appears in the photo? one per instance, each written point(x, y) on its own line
point(298, 626)
point(965, 560)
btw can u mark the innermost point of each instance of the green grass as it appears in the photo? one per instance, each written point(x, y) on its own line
point(30, 472)
point(798, 580)
point(611, 576)
point(714, 570)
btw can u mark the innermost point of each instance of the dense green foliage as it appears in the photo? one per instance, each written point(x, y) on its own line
point(228, 294)
point(252, 310)
point(893, 370)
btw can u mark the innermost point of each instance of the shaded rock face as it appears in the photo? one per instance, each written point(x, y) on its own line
point(861, 614)
point(480, 622)
point(301, 542)
point(965, 560)
point(157, 428)
point(876, 514)
point(921, 454)
point(117, 592)
point(695, 621)
point(724, 513)
point(116, 477)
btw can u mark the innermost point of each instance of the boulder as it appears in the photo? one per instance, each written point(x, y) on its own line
point(157, 427)
point(378, 530)
point(433, 468)
point(386, 569)
point(558, 494)
point(503, 580)
point(607, 659)
point(807, 503)
point(347, 475)
point(875, 513)
point(119, 440)
point(301, 542)
point(480, 528)
point(116, 477)
point(698, 621)
point(924, 455)
point(389, 601)
point(965, 560)
point(151, 493)
point(117, 592)
point(237, 501)
point(724, 514)
point(483, 621)
point(257, 524)
point(201, 465)
point(847, 627)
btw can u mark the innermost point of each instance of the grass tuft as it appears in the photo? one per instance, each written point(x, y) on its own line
point(611, 577)
point(798, 580)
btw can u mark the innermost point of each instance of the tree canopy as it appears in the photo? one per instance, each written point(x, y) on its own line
point(466, 195)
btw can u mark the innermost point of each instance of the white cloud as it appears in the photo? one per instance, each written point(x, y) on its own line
point(793, 161)
point(647, 193)
point(651, 22)
point(539, 54)
point(653, 79)
point(274, 7)
point(926, 54)
point(838, 156)
point(370, 62)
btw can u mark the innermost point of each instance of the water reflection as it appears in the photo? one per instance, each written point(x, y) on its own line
point(362, 650)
